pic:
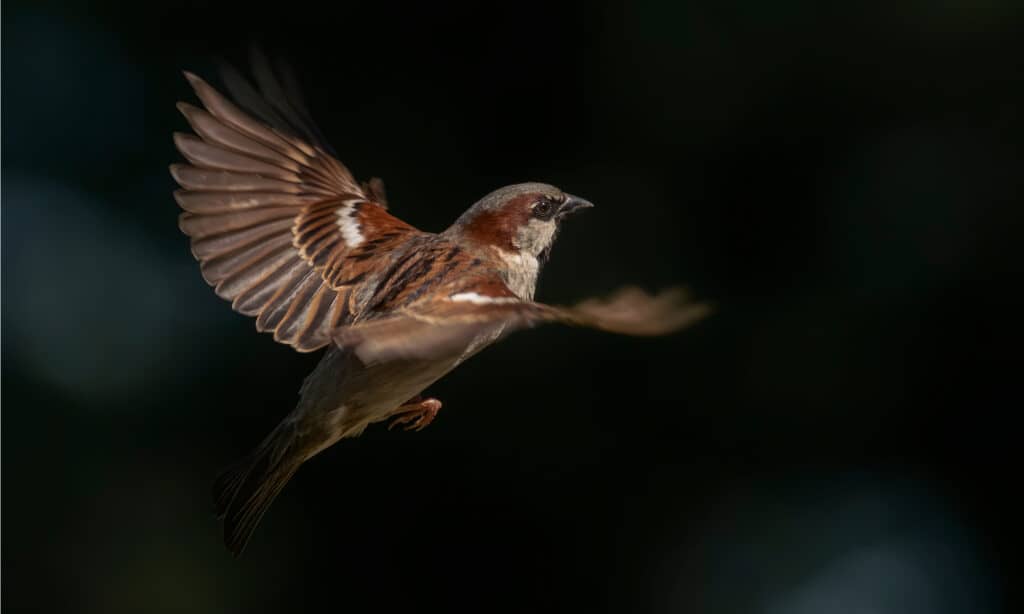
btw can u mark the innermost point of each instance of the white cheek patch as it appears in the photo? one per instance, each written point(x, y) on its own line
point(348, 224)
point(481, 299)
point(536, 236)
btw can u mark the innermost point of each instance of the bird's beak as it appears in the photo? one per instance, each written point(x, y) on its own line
point(573, 204)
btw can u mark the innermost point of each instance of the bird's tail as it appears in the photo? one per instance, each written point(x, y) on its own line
point(243, 492)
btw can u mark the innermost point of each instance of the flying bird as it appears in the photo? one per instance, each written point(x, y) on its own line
point(283, 230)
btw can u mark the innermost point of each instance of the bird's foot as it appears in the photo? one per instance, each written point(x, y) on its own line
point(416, 414)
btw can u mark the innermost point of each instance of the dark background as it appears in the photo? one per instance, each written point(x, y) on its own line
point(843, 182)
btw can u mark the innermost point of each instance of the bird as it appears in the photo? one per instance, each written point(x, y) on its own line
point(282, 229)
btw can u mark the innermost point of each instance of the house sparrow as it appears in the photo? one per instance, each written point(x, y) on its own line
point(283, 231)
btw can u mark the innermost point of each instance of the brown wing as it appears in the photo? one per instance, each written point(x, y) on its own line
point(450, 321)
point(276, 100)
point(280, 227)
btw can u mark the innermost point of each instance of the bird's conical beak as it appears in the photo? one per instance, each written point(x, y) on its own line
point(572, 205)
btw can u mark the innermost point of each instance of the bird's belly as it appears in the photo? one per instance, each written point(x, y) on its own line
point(386, 387)
point(362, 395)
point(343, 396)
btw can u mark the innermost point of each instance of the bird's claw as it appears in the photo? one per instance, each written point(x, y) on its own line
point(416, 415)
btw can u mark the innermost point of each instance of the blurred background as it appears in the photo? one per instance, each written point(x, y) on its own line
point(843, 182)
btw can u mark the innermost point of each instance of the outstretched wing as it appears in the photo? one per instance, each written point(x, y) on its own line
point(449, 322)
point(276, 100)
point(280, 227)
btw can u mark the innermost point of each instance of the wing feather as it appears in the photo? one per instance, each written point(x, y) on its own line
point(212, 246)
point(274, 92)
point(263, 254)
point(213, 131)
point(229, 113)
point(254, 301)
point(448, 325)
point(226, 202)
point(204, 179)
point(201, 226)
point(206, 155)
point(276, 221)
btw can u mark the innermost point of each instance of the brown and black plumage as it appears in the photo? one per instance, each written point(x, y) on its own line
point(283, 230)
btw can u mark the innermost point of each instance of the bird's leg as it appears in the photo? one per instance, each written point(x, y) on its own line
point(416, 413)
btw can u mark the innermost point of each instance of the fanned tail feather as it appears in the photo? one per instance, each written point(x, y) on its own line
point(243, 492)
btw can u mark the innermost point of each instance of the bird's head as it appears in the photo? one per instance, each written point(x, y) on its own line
point(519, 219)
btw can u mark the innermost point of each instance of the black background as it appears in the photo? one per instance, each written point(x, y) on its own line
point(843, 182)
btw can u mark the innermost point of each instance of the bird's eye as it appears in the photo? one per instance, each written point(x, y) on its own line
point(542, 209)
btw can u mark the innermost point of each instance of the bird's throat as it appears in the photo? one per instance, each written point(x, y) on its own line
point(521, 271)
